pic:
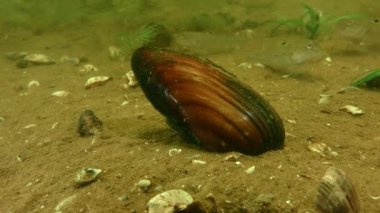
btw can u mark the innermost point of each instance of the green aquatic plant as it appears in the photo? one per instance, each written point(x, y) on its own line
point(312, 22)
point(370, 79)
point(145, 35)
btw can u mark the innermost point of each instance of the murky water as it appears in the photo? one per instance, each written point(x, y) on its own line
point(292, 52)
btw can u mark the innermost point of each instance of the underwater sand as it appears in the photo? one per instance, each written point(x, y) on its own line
point(38, 164)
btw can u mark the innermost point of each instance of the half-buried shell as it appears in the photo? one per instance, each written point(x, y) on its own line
point(206, 104)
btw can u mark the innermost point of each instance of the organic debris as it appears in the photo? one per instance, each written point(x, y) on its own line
point(89, 124)
point(354, 110)
point(96, 81)
point(86, 176)
point(370, 80)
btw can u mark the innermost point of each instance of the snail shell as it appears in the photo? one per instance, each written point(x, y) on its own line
point(206, 104)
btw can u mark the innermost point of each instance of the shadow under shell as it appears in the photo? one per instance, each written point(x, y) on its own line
point(206, 104)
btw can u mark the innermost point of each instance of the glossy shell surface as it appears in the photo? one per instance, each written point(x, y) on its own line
point(206, 104)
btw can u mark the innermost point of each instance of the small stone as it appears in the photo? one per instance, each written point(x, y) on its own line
point(144, 185)
point(89, 124)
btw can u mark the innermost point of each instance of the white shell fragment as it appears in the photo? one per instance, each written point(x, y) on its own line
point(65, 202)
point(33, 83)
point(354, 110)
point(73, 60)
point(324, 99)
point(250, 170)
point(60, 93)
point(86, 176)
point(37, 58)
point(87, 68)
point(15, 55)
point(114, 52)
point(96, 81)
point(198, 162)
point(245, 65)
point(336, 193)
point(322, 149)
point(233, 157)
point(174, 151)
point(169, 202)
point(130, 76)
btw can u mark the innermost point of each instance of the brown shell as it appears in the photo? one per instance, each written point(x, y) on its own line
point(206, 104)
point(336, 194)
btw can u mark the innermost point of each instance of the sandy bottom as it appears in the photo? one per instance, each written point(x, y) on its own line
point(41, 151)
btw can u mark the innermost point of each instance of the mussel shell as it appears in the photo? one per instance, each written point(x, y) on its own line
point(206, 104)
point(336, 193)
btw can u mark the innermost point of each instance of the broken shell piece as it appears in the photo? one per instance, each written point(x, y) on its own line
point(114, 52)
point(169, 202)
point(322, 149)
point(73, 60)
point(233, 157)
point(36, 58)
point(174, 151)
point(354, 110)
point(60, 93)
point(33, 83)
point(15, 55)
point(336, 193)
point(250, 170)
point(87, 68)
point(198, 162)
point(86, 176)
point(324, 99)
point(96, 81)
point(130, 76)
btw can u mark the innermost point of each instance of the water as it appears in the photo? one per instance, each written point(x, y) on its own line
point(303, 58)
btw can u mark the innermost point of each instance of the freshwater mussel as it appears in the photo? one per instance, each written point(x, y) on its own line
point(206, 104)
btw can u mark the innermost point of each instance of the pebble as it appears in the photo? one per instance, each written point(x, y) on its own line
point(144, 185)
